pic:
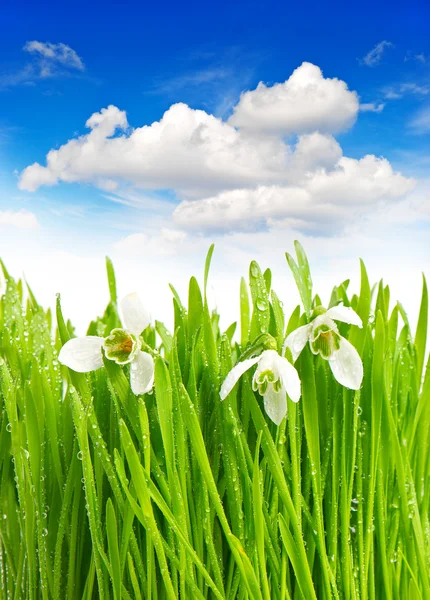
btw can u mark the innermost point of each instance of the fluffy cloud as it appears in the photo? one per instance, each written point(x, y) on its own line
point(188, 151)
point(304, 103)
point(21, 219)
point(324, 200)
point(235, 175)
point(374, 57)
point(191, 151)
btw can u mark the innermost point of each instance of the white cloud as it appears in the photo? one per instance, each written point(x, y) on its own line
point(325, 201)
point(304, 103)
point(374, 57)
point(227, 173)
point(191, 151)
point(388, 241)
point(420, 58)
point(403, 89)
point(414, 88)
point(372, 107)
point(188, 151)
point(199, 77)
point(49, 60)
point(51, 54)
point(35, 176)
point(21, 219)
point(164, 243)
point(421, 122)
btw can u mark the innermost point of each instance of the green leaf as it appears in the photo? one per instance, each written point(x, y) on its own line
point(420, 339)
point(112, 537)
point(195, 308)
point(302, 275)
point(260, 298)
point(163, 390)
point(111, 281)
point(244, 313)
point(207, 267)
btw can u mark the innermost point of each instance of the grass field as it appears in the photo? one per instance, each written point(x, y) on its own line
point(177, 494)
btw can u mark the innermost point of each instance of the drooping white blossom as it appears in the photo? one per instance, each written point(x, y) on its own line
point(274, 378)
point(324, 339)
point(123, 346)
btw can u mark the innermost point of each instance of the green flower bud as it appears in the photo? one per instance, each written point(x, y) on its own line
point(324, 341)
point(319, 310)
point(121, 346)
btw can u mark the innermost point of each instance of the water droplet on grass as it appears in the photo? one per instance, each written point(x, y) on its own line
point(255, 271)
point(262, 305)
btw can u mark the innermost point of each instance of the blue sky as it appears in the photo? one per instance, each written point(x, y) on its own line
point(61, 64)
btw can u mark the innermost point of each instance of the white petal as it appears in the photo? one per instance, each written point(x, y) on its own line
point(323, 319)
point(346, 365)
point(297, 339)
point(234, 375)
point(289, 378)
point(82, 354)
point(142, 373)
point(345, 314)
point(268, 362)
point(135, 317)
point(275, 404)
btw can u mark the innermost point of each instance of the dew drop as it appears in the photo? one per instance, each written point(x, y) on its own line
point(254, 270)
point(261, 305)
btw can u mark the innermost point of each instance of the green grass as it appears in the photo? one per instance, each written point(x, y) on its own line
point(176, 494)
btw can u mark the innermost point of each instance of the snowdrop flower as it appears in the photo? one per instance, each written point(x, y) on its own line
point(123, 346)
point(273, 378)
point(324, 339)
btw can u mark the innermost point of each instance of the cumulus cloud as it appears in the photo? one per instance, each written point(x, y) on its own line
point(323, 200)
point(234, 175)
point(188, 150)
point(21, 219)
point(374, 57)
point(304, 103)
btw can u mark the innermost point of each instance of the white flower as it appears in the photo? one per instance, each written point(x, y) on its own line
point(274, 378)
point(324, 339)
point(123, 346)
